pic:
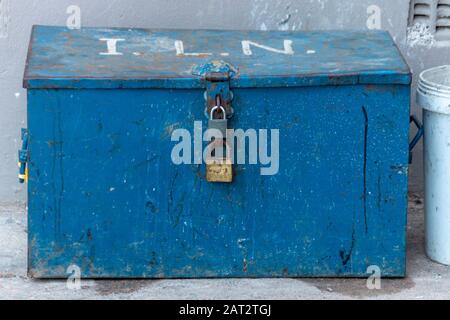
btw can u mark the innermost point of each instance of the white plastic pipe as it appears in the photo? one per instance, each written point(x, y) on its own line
point(434, 97)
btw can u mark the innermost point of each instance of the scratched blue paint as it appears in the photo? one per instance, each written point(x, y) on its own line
point(105, 195)
point(341, 57)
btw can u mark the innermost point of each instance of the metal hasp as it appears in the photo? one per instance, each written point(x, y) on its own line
point(217, 75)
point(219, 168)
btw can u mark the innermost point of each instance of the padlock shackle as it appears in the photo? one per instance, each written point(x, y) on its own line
point(211, 115)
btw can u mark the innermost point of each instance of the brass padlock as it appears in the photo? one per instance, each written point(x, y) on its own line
point(219, 168)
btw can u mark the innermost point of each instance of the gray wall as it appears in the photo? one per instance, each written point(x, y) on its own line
point(17, 17)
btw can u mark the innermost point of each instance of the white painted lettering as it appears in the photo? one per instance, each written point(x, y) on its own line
point(112, 47)
point(246, 47)
point(179, 47)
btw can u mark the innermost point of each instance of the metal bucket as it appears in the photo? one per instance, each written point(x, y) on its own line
point(433, 95)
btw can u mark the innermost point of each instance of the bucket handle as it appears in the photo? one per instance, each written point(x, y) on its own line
point(417, 137)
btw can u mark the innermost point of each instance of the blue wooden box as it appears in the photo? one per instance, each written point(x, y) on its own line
point(105, 194)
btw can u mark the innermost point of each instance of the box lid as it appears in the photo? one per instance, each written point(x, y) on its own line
point(138, 58)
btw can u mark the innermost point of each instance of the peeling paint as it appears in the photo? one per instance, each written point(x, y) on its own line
point(420, 35)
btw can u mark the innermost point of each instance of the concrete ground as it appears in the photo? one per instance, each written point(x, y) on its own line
point(426, 279)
